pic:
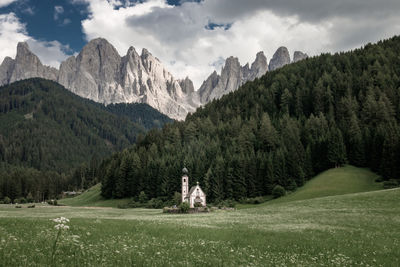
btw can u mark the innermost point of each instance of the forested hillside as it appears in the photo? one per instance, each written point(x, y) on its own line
point(281, 129)
point(140, 113)
point(45, 128)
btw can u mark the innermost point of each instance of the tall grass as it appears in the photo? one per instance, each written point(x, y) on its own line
point(347, 230)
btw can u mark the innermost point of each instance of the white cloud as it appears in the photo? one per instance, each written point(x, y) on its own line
point(58, 10)
point(29, 11)
point(178, 35)
point(66, 21)
point(50, 53)
point(13, 31)
point(4, 3)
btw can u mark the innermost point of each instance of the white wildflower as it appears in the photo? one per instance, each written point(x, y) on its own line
point(61, 223)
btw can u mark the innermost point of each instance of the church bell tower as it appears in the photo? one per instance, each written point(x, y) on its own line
point(185, 184)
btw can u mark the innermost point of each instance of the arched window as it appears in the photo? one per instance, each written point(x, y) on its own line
point(184, 180)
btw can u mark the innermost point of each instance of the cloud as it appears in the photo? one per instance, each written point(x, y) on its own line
point(4, 3)
point(191, 37)
point(66, 21)
point(29, 11)
point(58, 10)
point(13, 31)
point(50, 53)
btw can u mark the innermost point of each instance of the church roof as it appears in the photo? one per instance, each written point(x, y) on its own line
point(193, 188)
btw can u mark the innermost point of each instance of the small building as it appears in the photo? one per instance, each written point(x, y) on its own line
point(195, 194)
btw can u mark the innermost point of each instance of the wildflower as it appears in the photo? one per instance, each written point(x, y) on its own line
point(61, 220)
point(61, 226)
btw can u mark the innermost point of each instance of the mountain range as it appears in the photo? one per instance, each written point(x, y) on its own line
point(99, 73)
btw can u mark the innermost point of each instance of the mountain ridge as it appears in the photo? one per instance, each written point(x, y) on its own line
point(99, 73)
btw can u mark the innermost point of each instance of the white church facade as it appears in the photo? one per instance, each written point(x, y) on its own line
point(195, 194)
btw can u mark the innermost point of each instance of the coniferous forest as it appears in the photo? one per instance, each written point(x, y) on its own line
point(47, 132)
point(281, 129)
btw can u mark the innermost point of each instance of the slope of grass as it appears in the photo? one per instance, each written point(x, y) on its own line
point(338, 181)
point(347, 230)
point(93, 198)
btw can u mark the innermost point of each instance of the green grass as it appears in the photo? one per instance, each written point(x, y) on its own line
point(338, 181)
point(346, 230)
point(92, 198)
point(333, 182)
point(306, 228)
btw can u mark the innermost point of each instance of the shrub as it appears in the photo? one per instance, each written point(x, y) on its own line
point(22, 200)
point(1, 202)
point(184, 207)
point(177, 198)
point(31, 206)
point(278, 191)
point(198, 205)
point(122, 206)
point(253, 200)
point(29, 198)
point(155, 203)
point(142, 197)
point(18, 207)
point(7, 200)
point(392, 183)
point(229, 203)
point(52, 202)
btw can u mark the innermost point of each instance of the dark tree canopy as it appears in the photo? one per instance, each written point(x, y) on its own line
point(45, 128)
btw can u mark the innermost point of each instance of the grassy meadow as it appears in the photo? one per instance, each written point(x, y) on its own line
point(92, 198)
point(342, 230)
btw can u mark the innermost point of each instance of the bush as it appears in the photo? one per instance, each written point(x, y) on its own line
point(184, 207)
point(122, 206)
point(52, 202)
point(142, 197)
point(155, 203)
point(7, 200)
point(392, 183)
point(21, 200)
point(254, 200)
point(31, 206)
point(278, 191)
point(1, 202)
point(198, 205)
point(177, 198)
point(229, 203)
point(29, 198)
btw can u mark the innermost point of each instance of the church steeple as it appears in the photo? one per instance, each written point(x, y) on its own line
point(185, 184)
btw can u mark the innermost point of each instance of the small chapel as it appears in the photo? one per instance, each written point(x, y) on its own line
point(193, 196)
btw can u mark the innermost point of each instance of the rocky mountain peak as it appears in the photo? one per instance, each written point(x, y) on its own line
point(186, 85)
point(23, 48)
point(233, 75)
point(298, 55)
point(26, 65)
point(259, 67)
point(279, 59)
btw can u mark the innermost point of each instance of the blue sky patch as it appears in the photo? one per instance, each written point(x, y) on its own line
point(212, 26)
point(52, 20)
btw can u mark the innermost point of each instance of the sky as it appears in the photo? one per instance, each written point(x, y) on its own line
point(192, 38)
